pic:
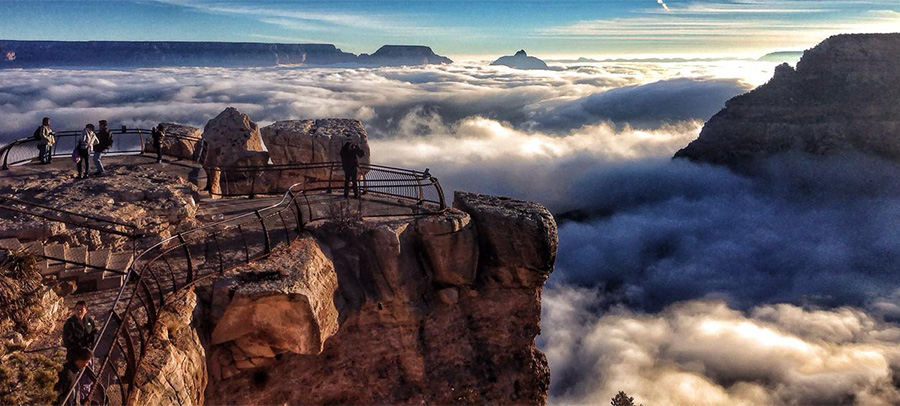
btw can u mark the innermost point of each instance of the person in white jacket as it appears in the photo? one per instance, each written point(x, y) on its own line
point(85, 148)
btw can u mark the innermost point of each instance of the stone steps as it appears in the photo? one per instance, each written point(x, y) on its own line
point(62, 263)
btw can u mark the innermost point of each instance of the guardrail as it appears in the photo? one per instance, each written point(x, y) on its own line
point(385, 181)
point(126, 141)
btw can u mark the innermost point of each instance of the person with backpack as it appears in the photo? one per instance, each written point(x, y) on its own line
point(84, 149)
point(104, 138)
point(158, 135)
point(45, 140)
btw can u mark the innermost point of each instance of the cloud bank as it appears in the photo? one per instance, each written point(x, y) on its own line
point(669, 273)
point(704, 352)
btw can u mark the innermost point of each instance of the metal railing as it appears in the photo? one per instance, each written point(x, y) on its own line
point(191, 256)
point(128, 141)
point(251, 181)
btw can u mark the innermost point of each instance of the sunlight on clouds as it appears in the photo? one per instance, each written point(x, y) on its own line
point(703, 352)
point(479, 139)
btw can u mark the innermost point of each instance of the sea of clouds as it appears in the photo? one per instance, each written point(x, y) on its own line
point(679, 283)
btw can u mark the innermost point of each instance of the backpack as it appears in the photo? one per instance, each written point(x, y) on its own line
point(37, 134)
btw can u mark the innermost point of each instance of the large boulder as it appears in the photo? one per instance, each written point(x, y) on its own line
point(232, 140)
point(311, 141)
point(517, 239)
point(283, 305)
point(175, 146)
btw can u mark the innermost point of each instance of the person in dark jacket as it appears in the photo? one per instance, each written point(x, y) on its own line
point(45, 141)
point(350, 154)
point(158, 135)
point(69, 373)
point(104, 139)
point(79, 332)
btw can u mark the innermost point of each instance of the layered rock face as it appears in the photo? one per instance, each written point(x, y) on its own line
point(172, 145)
point(233, 140)
point(284, 305)
point(842, 96)
point(436, 310)
point(521, 60)
point(173, 370)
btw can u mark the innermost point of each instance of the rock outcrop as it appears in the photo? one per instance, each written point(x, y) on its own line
point(311, 141)
point(172, 144)
point(399, 55)
point(155, 202)
point(521, 60)
point(282, 305)
point(232, 140)
point(428, 312)
point(173, 370)
point(843, 96)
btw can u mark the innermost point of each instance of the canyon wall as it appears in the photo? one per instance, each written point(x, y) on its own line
point(843, 95)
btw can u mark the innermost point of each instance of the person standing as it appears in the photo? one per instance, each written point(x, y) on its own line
point(350, 154)
point(79, 332)
point(85, 148)
point(104, 141)
point(158, 135)
point(45, 140)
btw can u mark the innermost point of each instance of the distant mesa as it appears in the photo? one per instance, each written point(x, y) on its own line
point(790, 57)
point(521, 60)
point(145, 54)
point(397, 55)
point(843, 96)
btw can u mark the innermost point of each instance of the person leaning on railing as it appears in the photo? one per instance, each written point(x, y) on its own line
point(45, 140)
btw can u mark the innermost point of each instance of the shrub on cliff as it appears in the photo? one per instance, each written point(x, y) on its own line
point(622, 399)
point(25, 378)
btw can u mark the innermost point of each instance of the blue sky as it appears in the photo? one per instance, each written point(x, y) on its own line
point(552, 28)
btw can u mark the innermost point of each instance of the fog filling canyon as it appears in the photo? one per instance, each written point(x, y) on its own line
point(675, 281)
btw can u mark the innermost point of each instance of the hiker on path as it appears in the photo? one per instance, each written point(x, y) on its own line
point(45, 140)
point(104, 141)
point(350, 154)
point(84, 149)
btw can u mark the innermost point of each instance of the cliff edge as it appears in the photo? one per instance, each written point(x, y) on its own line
point(843, 96)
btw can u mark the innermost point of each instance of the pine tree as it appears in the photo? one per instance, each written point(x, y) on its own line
point(622, 399)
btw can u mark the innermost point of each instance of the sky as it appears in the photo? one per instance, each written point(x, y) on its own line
point(464, 28)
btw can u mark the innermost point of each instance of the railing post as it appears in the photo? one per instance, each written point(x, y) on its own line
point(141, 139)
point(265, 230)
point(187, 255)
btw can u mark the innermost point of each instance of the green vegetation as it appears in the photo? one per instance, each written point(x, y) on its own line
point(25, 378)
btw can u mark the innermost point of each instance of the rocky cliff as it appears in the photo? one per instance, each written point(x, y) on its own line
point(521, 60)
point(127, 54)
point(842, 96)
point(433, 310)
